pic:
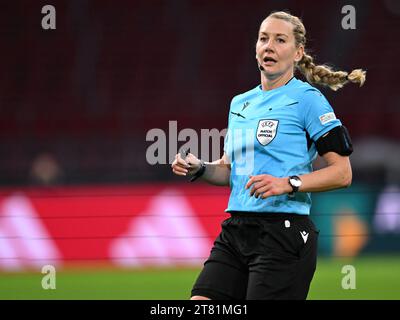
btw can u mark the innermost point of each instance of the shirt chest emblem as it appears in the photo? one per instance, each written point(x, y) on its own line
point(266, 131)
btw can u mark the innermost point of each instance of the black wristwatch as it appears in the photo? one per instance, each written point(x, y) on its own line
point(199, 172)
point(295, 183)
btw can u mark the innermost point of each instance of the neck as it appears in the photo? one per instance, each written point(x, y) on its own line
point(269, 83)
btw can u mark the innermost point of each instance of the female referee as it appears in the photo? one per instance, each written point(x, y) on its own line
point(267, 248)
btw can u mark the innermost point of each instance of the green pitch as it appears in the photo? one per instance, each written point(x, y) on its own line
point(376, 278)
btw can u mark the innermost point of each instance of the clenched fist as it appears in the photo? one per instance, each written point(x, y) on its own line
point(190, 165)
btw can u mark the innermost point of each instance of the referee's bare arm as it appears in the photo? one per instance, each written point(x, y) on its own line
point(337, 174)
point(217, 172)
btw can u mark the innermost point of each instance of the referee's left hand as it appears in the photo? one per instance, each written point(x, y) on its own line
point(265, 185)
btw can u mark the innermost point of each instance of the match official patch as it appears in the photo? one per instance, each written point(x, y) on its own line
point(327, 117)
point(266, 131)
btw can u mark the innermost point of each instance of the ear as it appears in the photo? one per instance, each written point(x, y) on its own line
point(299, 54)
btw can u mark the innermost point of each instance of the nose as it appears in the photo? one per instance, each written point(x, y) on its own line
point(268, 46)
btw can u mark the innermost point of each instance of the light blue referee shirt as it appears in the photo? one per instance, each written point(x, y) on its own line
point(269, 132)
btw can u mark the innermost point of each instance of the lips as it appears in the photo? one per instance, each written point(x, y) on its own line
point(269, 59)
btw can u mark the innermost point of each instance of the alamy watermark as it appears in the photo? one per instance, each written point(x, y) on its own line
point(49, 280)
point(238, 142)
point(165, 145)
point(349, 19)
point(349, 280)
point(49, 18)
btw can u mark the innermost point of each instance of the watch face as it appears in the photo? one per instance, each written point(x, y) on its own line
point(295, 182)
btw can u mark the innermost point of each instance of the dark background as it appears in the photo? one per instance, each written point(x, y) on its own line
point(80, 99)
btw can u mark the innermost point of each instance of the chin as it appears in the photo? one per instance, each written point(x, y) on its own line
point(271, 74)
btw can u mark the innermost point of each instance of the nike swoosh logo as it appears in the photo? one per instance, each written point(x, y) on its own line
point(304, 235)
point(238, 114)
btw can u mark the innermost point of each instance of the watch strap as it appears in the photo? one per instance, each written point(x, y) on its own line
point(199, 172)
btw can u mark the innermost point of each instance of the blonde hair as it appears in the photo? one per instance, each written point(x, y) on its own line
point(318, 74)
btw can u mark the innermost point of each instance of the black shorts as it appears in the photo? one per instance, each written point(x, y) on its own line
point(260, 256)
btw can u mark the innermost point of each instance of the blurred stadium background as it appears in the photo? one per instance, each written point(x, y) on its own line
point(77, 103)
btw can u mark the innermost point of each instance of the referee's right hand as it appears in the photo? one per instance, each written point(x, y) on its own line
point(182, 167)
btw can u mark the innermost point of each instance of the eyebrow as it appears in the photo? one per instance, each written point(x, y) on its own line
point(277, 34)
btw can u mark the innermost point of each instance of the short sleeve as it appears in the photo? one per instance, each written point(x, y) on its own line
point(319, 116)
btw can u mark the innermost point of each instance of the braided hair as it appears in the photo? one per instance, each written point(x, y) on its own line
point(318, 74)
